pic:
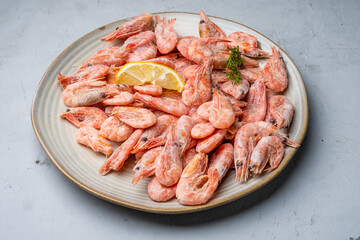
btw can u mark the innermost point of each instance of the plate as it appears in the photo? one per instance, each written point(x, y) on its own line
point(81, 164)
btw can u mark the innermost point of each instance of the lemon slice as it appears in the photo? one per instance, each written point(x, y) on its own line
point(139, 73)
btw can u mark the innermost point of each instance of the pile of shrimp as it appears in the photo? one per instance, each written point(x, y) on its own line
point(186, 142)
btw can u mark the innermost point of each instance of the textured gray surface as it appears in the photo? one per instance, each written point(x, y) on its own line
point(316, 197)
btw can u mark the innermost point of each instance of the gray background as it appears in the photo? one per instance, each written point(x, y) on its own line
point(316, 197)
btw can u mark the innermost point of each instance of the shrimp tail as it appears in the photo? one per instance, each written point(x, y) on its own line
point(64, 80)
point(171, 22)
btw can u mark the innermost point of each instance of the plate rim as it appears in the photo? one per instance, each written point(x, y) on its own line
point(185, 209)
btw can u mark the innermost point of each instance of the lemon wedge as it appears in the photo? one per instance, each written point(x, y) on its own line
point(139, 73)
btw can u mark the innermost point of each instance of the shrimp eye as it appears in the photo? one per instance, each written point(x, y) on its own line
point(144, 139)
point(239, 164)
point(68, 110)
point(251, 166)
point(202, 21)
point(137, 168)
point(88, 65)
point(177, 56)
point(117, 28)
point(176, 144)
point(103, 95)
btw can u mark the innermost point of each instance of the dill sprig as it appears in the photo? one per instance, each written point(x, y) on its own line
point(232, 65)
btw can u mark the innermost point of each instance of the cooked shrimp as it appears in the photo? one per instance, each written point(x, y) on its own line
point(198, 89)
point(269, 149)
point(183, 45)
point(134, 42)
point(249, 63)
point(189, 72)
point(202, 130)
point(183, 131)
point(153, 136)
point(232, 130)
point(115, 130)
point(195, 187)
point(189, 154)
point(143, 53)
point(165, 35)
point(89, 73)
point(168, 105)
point(139, 154)
point(218, 76)
point(90, 137)
point(204, 49)
point(248, 50)
point(243, 38)
point(204, 110)
point(106, 56)
point(122, 99)
point(195, 116)
point(277, 132)
point(208, 144)
point(153, 90)
point(85, 116)
point(145, 167)
point(281, 111)
point(159, 192)
point(135, 117)
point(245, 141)
point(252, 74)
point(255, 109)
point(221, 113)
point(169, 164)
point(275, 72)
point(179, 60)
point(136, 25)
point(237, 90)
point(171, 94)
point(118, 158)
point(88, 93)
point(269, 95)
point(163, 61)
point(208, 28)
point(237, 105)
point(222, 159)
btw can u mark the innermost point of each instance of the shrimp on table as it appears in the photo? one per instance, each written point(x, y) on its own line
point(243, 38)
point(88, 93)
point(183, 131)
point(159, 192)
point(237, 90)
point(208, 28)
point(281, 111)
point(145, 167)
point(118, 158)
point(208, 144)
point(221, 113)
point(85, 116)
point(165, 35)
point(195, 187)
point(198, 88)
point(169, 164)
point(268, 150)
point(255, 109)
point(143, 53)
point(168, 105)
point(245, 141)
point(189, 154)
point(136, 25)
point(155, 135)
point(202, 130)
point(189, 71)
point(153, 90)
point(90, 137)
point(135, 117)
point(247, 45)
point(222, 159)
point(106, 56)
point(115, 130)
point(89, 73)
point(122, 99)
point(275, 73)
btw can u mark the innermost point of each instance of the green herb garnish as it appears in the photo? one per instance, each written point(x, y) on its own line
point(233, 64)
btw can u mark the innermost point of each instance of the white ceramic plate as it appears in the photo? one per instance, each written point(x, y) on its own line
point(81, 164)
